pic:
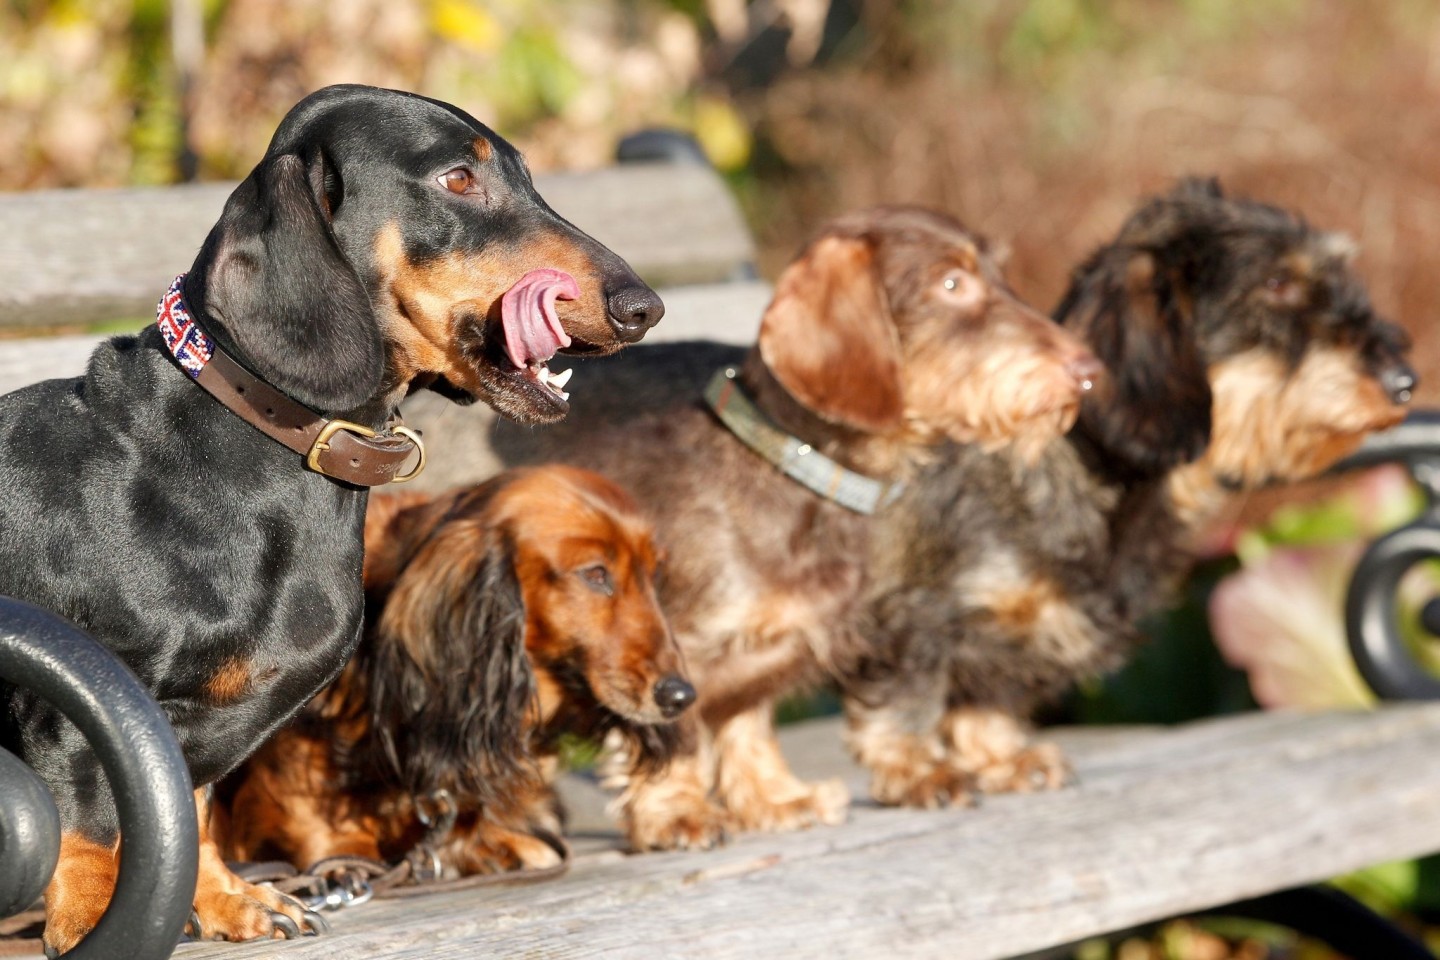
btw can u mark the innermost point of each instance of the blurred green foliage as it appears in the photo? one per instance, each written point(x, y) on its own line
point(155, 139)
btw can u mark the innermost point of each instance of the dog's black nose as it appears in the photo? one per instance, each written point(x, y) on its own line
point(673, 694)
point(633, 310)
point(1399, 381)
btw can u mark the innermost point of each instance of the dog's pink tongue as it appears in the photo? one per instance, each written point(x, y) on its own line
point(527, 311)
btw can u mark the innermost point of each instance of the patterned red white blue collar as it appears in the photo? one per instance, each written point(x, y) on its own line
point(187, 343)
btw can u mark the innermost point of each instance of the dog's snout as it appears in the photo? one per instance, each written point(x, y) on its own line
point(632, 310)
point(673, 694)
point(1085, 369)
point(1399, 381)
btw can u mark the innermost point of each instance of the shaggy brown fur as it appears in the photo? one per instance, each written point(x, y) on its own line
point(1242, 351)
point(892, 332)
point(500, 617)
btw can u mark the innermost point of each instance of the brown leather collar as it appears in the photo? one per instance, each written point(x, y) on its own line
point(345, 451)
point(350, 452)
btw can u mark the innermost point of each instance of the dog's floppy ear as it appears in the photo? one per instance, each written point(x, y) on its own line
point(829, 339)
point(453, 685)
point(273, 282)
point(1152, 412)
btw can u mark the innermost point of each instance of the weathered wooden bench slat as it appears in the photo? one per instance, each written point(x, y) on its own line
point(85, 256)
point(1162, 822)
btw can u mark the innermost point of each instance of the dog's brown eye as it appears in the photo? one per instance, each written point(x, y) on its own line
point(597, 578)
point(458, 180)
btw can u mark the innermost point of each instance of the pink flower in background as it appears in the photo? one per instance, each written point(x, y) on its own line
point(1281, 617)
point(1281, 620)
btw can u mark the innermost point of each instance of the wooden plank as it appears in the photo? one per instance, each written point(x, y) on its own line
point(85, 256)
point(724, 311)
point(1161, 823)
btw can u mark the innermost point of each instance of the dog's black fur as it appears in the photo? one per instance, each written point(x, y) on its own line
point(187, 541)
point(999, 585)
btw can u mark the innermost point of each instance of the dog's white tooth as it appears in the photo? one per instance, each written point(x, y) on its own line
point(564, 395)
point(561, 378)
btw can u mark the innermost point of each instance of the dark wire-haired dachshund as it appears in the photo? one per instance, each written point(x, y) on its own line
point(196, 500)
point(891, 332)
point(1242, 351)
point(501, 618)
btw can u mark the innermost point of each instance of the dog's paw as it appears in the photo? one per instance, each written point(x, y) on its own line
point(806, 805)
point(65, 928)
point(929, 786)
point(245, 911)
point(79, 891)
point(994, 748)
point(831, 802)
point(499, 850)
point(1035, 768)
point(695, 825)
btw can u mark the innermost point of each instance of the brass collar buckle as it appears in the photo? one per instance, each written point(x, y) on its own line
point(322, 443)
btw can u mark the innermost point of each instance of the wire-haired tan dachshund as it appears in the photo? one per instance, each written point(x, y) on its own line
point(1242, 351)
point(892, 332)
point(196, 499)
point(502, 617)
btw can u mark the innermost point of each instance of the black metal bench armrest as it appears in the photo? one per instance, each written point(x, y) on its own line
point(29, 835)
point(147, 773)
point(1371, 622)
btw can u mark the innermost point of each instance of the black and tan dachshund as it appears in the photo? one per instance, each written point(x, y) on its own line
point(385, 242)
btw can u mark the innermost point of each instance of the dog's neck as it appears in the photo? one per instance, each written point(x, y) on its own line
point(1155, 526)
point(871, 455)
point(363, 447)
point(375, 413)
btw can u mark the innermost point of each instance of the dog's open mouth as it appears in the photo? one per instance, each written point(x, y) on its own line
point(533, 333)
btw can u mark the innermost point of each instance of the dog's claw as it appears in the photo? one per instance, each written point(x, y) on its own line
point(285, 925)
point(315, 924)
point(194, 929)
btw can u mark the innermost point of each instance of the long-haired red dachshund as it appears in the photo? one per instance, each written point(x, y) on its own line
point(499, 618)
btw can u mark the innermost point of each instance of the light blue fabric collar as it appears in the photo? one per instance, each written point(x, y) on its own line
point(792, 456)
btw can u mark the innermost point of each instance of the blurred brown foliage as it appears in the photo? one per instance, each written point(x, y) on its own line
point(90, 93)
point(64, 116)
point(562, 78)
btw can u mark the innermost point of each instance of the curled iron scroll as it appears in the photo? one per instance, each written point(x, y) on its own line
point(142, 762)
point(29, 835)
point(1372, 623)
